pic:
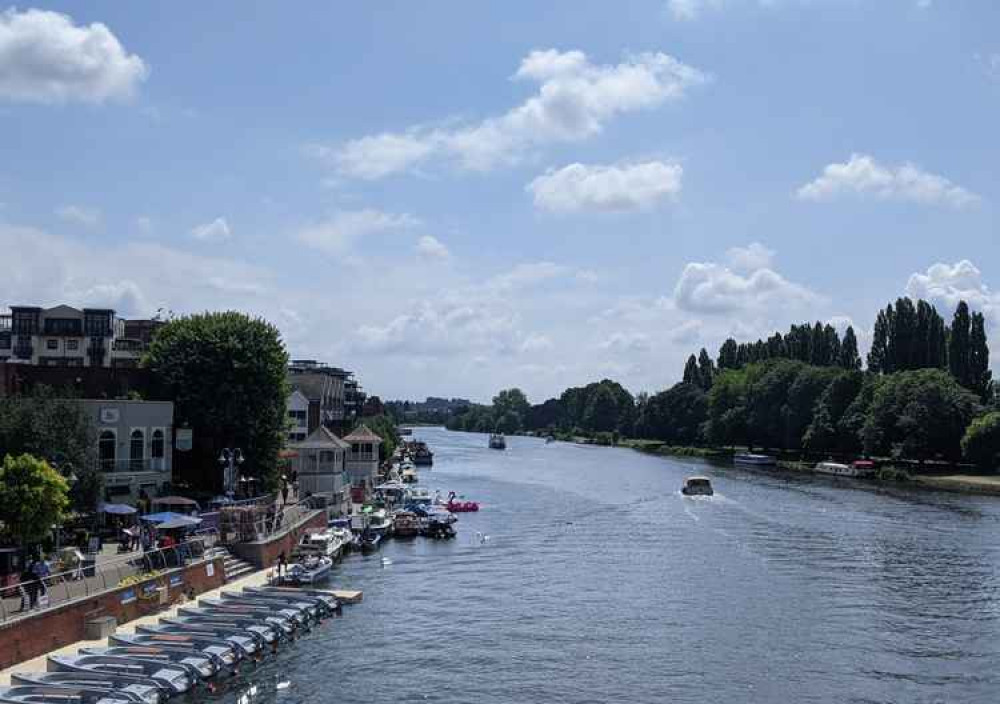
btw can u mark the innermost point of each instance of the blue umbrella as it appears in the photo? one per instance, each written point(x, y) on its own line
point(179, 522)
point(162, 517)
point(118, 509)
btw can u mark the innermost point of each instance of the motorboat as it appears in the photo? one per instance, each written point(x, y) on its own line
point(749, 458)
point(325, 601)
point(204, 664)
point(267, 633)
point(421, 454)
point(498, 441)
point(865, 469)
point(418, 496)
point(307, 608)
point(244, 642)
point(379, 522)
point(439, 530)
point(697, 486)
point(300, 618)
point(456, 505)
point(309, 569)
point(370, 542)
point(326, 543)
point(408, 475)
point(861, 469)
point(222, 652)
point(405, 525)
point(173, 678)
point(139, 689)
point(43, 694)
point(550, 439)
point(280, 624)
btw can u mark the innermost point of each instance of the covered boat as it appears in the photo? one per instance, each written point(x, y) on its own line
point(203, 664)
point(173, 678)
point(243, 642)
point(498, 441)
point(697, 486)
point(42, 694)
point(224, 654)
point(749, 458)
point(139, 689)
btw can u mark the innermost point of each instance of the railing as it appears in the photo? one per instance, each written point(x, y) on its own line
point(129, 466)
point(126, 345)
point(5, 322)
point(87, 580)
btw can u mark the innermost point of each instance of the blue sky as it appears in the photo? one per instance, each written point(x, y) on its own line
point(453, 197)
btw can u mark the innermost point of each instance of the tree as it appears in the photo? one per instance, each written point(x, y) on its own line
point(602, 413)
point(706, 369)
point(385, 427)
point(767, 393)
point(727, 408)
point(878, 356)
point(921, 414)
point(959, 346)
point(981, 444)
point(980, 376)
point(226, 372)
point(849, 356)
point(800, 405)
point(59, 431)
point(676, 416)
point(512, 401)
point(728, 355)
point(827, 431)
point(33, 498)
point(692, 375)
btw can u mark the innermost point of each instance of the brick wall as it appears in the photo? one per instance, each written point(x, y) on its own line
point(39, 634)
point(265, 554)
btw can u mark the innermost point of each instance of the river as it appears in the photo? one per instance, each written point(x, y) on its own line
point(599, 582)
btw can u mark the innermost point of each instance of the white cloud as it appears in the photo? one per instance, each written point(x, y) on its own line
point(947, 284)
point(687, 332)
point(588, 276)
point(536, 343)
point(432, 248)
point(862, 176)
point(336, 234)
point(575, 100)
point(627, 342)
point(581, 187)
point(144, 224)
point(215, 231)
point(45, 58)
point(79, 215)
point(714, 289)
point(527, 274)
point(750, 258)
point(684, 10)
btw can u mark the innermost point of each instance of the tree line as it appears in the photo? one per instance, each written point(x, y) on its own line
point(927, 393)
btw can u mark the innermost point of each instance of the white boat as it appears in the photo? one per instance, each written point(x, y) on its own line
point(173, 678)
point(752, 459)
point(858, 470)
point(418, 496)
point(697, 486)
point(139, 689)
point(309, 570)
point(498, 442)
point(74, 695)
point(328, 543)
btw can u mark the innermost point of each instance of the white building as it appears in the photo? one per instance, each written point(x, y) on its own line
point(298, 416)
point(362, 458)
point(320, 463)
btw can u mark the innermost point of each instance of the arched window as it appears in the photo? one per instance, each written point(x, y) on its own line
point(156, 449)
point(106, 450)
point(137, 450)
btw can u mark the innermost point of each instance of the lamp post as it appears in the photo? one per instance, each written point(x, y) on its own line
point(230, 459)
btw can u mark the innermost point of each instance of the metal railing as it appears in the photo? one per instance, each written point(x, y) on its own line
point(89, 579)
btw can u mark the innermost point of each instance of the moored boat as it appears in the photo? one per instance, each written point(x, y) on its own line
point(42, 694)
point(456, 505)
point(204, 664)
point(697, 486)
point(310, 569)
point(173, 678)
point(244, 642)
point(226, 654)
point(405, 525)
point(749, 458)
point(139, 689)
point(281, 624)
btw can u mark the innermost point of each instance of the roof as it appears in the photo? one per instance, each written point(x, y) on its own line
point(363, 434)
point(320, 439)
point(312, 386)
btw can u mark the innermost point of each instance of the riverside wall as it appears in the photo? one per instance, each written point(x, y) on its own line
point(264, 553)
point(39, 633)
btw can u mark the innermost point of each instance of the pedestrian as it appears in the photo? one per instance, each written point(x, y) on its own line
point(282, 564)
point(284, 491)
point(42, 571)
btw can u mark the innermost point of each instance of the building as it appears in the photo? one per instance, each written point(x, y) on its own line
point(334, 395)
point(363, 460)
point(299, 417)
point(134, 446)
point(320, 464)
point(73, 337)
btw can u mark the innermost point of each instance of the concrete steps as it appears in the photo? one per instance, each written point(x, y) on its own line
point(233, 566)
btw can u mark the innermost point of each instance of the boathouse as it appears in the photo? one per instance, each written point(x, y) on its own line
point(363, 460)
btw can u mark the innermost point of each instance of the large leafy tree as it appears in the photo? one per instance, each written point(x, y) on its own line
point(226, 373)
point(512, 406)
point(981, 444)
point(849, 357)
point(980, 376)
point(959, 344)
point(921, 414)
point(675, 416)
point(58, 430)
point(828, 432)
point(727, 423)
point(33, 498)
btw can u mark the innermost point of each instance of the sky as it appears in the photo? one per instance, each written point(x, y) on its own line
point(452, 198)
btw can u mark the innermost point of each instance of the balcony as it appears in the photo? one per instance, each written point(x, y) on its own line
point(127, 466)
point(5, 325)
point(124, 344)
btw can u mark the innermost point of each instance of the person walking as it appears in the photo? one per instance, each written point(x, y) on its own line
point(282, 564)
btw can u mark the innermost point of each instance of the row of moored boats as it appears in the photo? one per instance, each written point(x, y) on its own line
point(193, 650)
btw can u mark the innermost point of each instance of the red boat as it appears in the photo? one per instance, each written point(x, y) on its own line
point(456, 506)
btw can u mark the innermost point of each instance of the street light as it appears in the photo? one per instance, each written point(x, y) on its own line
point(229, 459)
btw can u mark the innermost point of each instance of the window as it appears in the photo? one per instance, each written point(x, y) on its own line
point(52, 344)
point(106, 450)
point(72, 345)
point(298, 416)
point(156, 445)
point(137, 450)
point(326, 456)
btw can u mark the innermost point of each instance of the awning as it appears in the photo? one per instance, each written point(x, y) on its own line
point(180, 522)
point(118, 509)
point(174, 501)
point(162, 517)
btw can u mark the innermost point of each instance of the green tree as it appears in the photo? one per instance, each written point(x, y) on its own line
point(981, 444)
point(980, 376)
point(878, 356)
point(692, 375)
point(512, 401)
point(727, 412)
point(728, 355)
point(676, 416)
point(602, 414)
point(226, 373)
point(959, 346)
point(58, 430)
point(919, 414)
point(849, 357)
point(827, 431)
point(33, 498)
point(706, 369)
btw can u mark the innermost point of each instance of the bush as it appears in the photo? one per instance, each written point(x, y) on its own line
point(981, 443)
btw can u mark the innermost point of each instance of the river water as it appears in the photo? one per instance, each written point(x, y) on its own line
point(599, 582)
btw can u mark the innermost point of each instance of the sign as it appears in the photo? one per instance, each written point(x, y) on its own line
point(184, 439)
point(210, 569)
point(110, 416)
point(128, 596)
point(176, 580)
point(149, 589)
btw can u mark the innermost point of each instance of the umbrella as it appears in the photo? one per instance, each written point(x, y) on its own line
point(162, 517)
point(117, 509)
point(174, 501)
point(179, 522)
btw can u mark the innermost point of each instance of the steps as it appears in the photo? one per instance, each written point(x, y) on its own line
point(233, 567)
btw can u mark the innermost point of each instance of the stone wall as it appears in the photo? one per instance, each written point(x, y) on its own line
point(264, 553)
point(35, 635)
